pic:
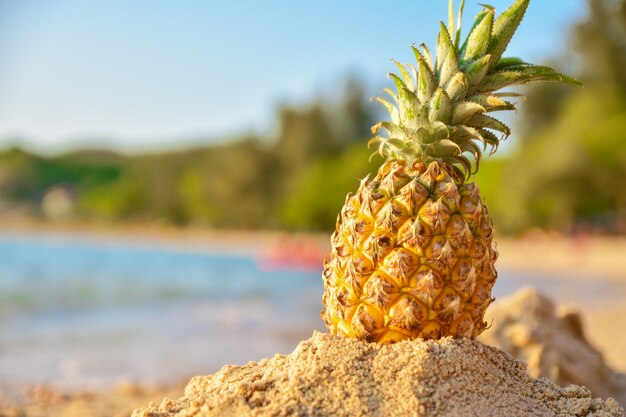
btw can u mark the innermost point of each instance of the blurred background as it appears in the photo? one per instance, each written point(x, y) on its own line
point(170, 173)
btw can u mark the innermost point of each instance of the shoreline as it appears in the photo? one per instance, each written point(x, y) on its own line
point(235, 242)
point(581, 257)
point(44, 401)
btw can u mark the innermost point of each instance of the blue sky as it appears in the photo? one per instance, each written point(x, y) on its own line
point(147, 74)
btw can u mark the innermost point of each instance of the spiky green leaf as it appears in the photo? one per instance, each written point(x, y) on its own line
point(464, 111)
point(459, 19)
point(451, 17)
point(492, 102)
point(409, 108)
point(510, 63)
point(443, 47)
point(447, 57)
point(476, 72)
point(543, 73)
point(407, 77)
point(400, 84)
point(443, 148)
point(508, 94)
point(463, 132)
point(501, 79)
point(392, 129)
point(391, 94)
point(457, 87)
point(470, 147)
point(427, 55)
point(504, 28)
point(440, 107)
point(490, 139)
point(484, 121)
point(467, 165)
point(478, 40)
point(439, 130)
point(380, 140)
point(426, 83)
point(477, 20)
point(397, 143)
point(422, 135)
point(393, 110)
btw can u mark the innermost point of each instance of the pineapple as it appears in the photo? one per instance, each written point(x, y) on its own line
point(413, 254)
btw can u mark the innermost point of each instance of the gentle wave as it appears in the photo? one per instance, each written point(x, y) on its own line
point(84, 314)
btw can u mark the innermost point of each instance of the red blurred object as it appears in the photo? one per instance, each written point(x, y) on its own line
point(291, 253)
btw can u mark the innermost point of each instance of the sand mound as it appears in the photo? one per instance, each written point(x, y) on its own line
point(552, 342)
point(333, 376)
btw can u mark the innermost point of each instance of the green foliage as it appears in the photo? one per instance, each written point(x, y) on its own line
point(239, 183)
point(27, 177)
point(232, 186)
point(112, 201)
point(573, 173)
point(599, 40)
point(569, 170)
point(319, 191)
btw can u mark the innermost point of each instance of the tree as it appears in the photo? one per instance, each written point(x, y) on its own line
point(570, 171)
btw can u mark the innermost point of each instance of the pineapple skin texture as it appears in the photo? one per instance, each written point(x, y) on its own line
point(412, 257)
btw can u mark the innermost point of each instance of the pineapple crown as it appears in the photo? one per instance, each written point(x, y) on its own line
point(443, 105)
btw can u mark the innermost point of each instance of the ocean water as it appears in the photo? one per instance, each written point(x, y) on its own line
point(84, 314)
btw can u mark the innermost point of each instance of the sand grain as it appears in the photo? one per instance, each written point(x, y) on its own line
point(333, 376)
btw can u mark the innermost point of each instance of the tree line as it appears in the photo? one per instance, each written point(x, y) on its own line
point(566, 172)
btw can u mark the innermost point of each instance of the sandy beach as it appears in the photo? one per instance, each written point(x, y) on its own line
point(581, 256)
point(583, 259)
point(42, 401)
point(334, 376)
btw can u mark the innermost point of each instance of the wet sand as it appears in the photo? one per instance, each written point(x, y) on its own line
point(42, 401)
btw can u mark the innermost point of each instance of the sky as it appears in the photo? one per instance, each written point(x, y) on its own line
point(147, 74)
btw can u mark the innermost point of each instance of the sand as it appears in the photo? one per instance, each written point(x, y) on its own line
point(45, 401)
point(334, 376)
point(605, 327)
point(552, 340)
point(563, 359)
point(581, 257)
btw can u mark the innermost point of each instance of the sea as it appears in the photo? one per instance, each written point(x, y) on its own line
point(81, 313)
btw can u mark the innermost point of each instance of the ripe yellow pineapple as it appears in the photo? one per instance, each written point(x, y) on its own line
point(412, 254)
